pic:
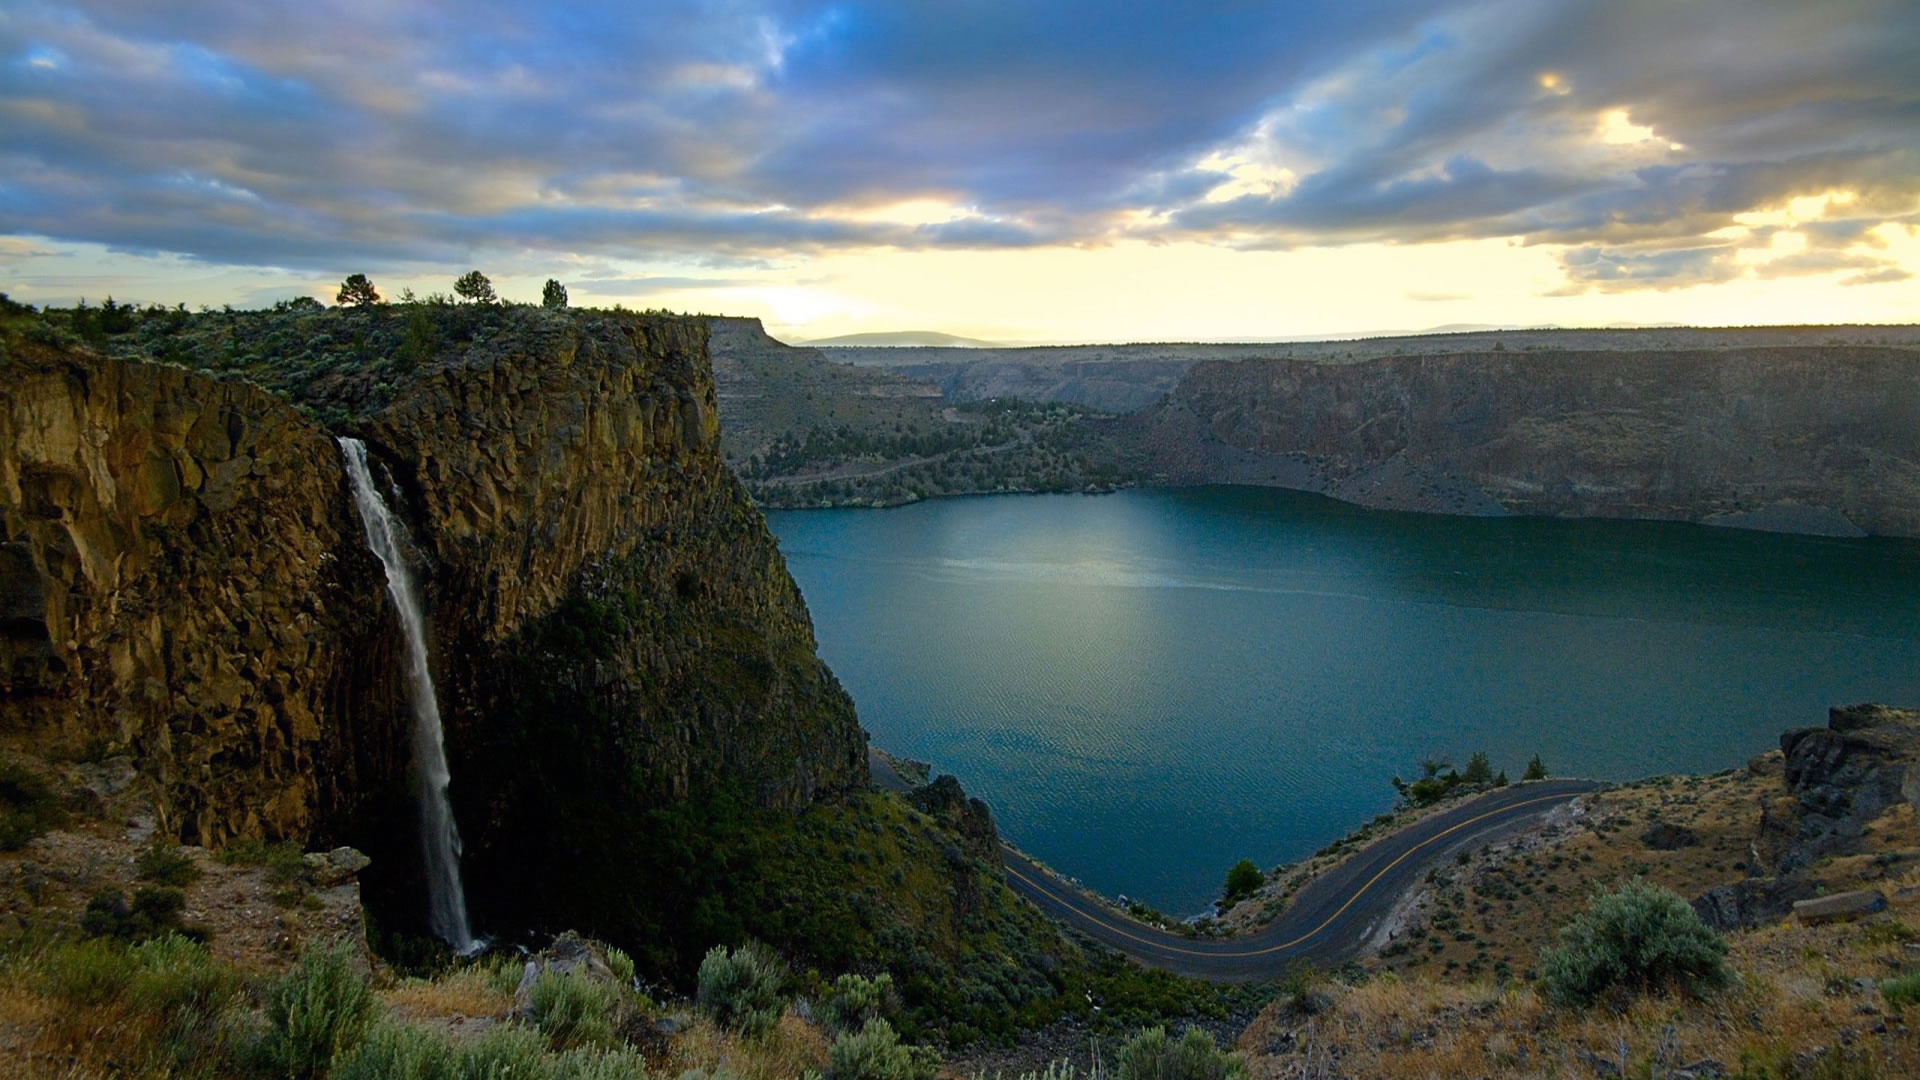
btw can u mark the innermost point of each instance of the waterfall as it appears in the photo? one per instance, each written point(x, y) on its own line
point(447, 911)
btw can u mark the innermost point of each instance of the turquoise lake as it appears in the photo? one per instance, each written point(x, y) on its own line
point(1150, 685)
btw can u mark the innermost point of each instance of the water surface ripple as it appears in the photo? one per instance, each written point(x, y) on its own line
point(1150, 685)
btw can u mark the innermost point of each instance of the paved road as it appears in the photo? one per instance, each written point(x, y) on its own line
point(1332, 918)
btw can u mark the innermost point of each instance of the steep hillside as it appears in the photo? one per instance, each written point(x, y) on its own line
point(1801, 439)
point(801, 430)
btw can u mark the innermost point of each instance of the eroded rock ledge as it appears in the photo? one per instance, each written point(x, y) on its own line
point(1822, 440)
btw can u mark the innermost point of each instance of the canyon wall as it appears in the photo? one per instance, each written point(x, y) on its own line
point(1823, 440)
point(182, 576)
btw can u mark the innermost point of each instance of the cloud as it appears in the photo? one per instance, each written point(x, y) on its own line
point(1634, 133)
point(1886, 275)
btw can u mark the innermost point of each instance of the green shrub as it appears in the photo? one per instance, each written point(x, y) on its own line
point(91, 972)
point(857, 999)
point(166, 864)
point(621, 965)
point(317, 1012)
point(1243, 880)
point(1479, 769)
point(504, 974)
point(154, 912)
point(743, 988)
point(1149, 1055)
point(176, 982)
point(572, 1009)
point(1637, 938)
point(28, 807)
point(394, 1051)
point(174, 973)
point(505, 1052)
point(1536, 770)
point(1902, 991)
point(621, 1064)
point(876, 1053)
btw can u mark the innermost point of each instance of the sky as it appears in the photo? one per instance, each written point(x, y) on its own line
point(1015, 170)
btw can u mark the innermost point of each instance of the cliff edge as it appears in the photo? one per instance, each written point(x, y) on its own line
point(1816, 439)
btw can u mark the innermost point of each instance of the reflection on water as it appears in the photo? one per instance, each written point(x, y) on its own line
point(1150, 685)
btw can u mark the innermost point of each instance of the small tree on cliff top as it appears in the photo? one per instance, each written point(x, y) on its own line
point(357, 291)
point(474, 286)
point(553, 294)
point(1536, 769)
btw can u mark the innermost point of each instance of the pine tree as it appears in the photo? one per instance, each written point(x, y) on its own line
point(474, 286)
point(553, 294)
point(357, 291)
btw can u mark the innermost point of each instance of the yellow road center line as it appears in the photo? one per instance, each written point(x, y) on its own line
point(1328, 921)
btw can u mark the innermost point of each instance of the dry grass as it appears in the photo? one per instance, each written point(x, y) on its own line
point(1402, 1029)
point(791, 1049)
point(1490, 914)
point(475, 990)
point(1807, 1003)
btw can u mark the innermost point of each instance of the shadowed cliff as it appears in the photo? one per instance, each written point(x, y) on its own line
point(1816, 439)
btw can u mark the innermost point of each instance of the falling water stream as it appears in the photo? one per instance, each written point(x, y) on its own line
point(447, 911)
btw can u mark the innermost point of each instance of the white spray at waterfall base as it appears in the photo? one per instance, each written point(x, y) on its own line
point(447, 901)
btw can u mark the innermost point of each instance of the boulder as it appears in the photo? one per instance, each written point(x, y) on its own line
point(325, 869)
point(1839, 907)
point(1747, 904)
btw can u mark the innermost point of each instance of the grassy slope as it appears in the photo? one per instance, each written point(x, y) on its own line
point(1455, 993)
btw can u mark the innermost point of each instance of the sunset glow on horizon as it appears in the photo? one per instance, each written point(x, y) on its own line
point(1015, 172)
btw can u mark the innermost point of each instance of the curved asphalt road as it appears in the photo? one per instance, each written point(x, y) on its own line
point(1331, 918)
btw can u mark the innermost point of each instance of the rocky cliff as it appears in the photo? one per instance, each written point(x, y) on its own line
point(1799, 439)
point(183, 575)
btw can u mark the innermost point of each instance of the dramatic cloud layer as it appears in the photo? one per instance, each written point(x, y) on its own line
point(1654, 145)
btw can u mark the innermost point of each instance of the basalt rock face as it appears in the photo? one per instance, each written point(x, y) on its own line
point(617, 628)
point(181, 577)
point(613, 631)
point(1794, 439)
point(1838, 780)
point(1846, 774)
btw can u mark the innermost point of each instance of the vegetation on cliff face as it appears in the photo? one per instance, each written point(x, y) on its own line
point(802, 431)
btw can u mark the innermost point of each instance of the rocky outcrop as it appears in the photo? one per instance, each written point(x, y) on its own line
point(1745, 905)
point(1844, 775)
point(1823, 440)
point(613, 631)
point(617, 629)
point(1838, 780)
point(181, 577)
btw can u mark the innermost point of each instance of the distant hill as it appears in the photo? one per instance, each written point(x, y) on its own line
point(920, 338)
